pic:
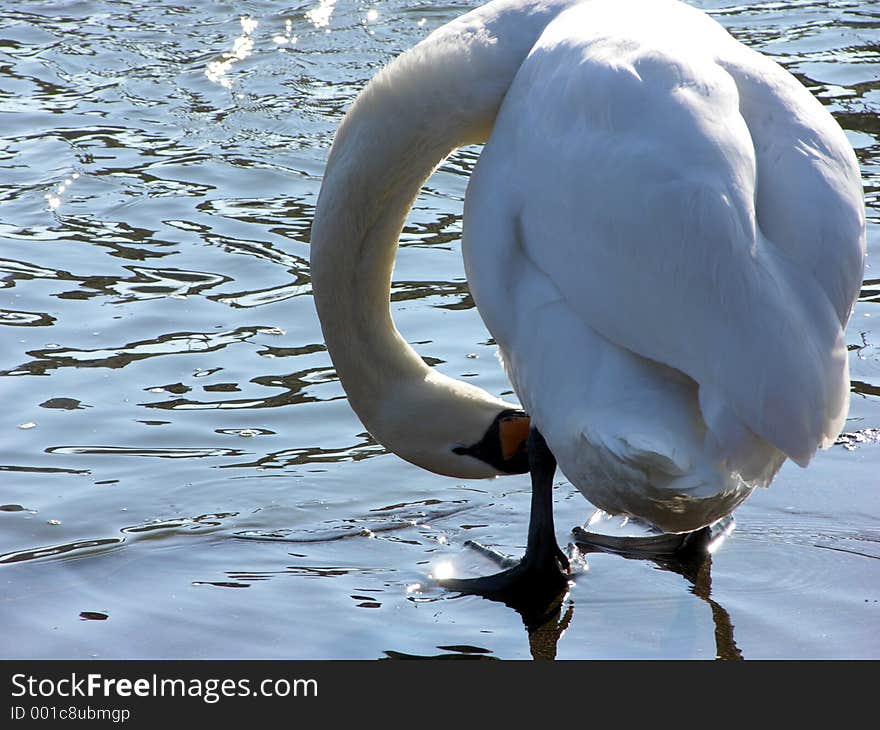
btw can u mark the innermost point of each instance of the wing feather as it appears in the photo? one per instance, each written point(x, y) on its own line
point(632, 170)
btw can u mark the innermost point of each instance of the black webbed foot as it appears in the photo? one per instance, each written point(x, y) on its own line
point(535, 584)
point(532, 574)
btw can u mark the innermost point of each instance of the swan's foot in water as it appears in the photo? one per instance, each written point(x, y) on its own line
point(505, 561)
point(542, 574)
point(652, 544)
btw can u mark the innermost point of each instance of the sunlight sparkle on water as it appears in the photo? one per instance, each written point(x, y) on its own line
point(242, 47)
point(320, 15)
point(442, 570)
point(54, 199)
point(288, 37)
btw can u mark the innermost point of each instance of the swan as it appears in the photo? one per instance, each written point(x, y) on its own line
point(664, 234)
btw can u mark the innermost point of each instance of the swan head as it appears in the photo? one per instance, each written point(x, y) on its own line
point(503, 446)
point(449, 428)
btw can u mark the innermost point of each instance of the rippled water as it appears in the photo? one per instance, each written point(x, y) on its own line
point(167, 397)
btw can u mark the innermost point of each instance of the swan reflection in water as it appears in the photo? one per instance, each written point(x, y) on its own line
point(546, 609)
point(690, 558)
point(547, 614)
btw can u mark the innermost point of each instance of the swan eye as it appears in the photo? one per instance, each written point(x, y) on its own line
point(504, 445)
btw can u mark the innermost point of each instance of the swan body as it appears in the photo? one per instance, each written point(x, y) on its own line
point(664, 234)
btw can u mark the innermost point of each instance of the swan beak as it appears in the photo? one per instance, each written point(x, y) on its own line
point(504, 445)
point(513, 430)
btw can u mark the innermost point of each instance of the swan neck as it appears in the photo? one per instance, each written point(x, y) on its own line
point(442, 94)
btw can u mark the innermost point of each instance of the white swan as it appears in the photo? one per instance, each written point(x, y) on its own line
point(664, 234)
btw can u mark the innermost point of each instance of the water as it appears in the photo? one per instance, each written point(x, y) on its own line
point(167, 397)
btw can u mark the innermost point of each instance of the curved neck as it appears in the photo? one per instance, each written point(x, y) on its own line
point(440, 95)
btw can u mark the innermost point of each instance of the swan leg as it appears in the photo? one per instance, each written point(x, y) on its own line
point(544, 567)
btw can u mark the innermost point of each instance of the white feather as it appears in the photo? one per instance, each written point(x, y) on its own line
point(664, 233)
point(664, 236)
